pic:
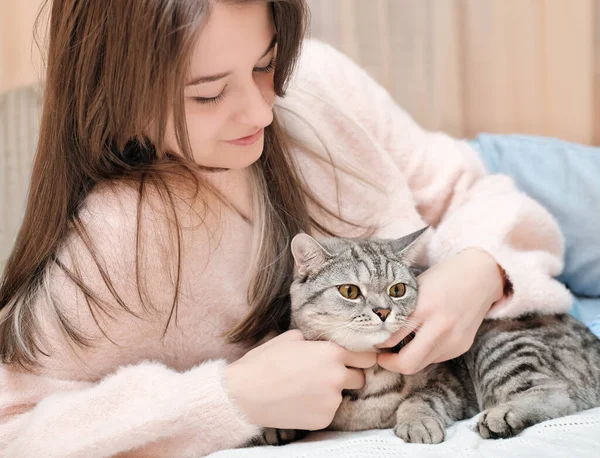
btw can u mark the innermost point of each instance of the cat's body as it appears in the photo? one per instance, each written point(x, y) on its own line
point(376, 405)
point(519, 372)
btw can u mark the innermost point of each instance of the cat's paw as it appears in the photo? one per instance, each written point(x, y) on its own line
point(501, 422)
point(421, 429)
point(273, 436)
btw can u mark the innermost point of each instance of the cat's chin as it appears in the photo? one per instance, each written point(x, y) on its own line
point(360, 342)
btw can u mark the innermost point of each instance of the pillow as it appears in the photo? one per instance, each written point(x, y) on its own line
point(565, 178)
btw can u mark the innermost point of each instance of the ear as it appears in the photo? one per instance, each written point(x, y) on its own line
point(408, 247)
point(309, 255)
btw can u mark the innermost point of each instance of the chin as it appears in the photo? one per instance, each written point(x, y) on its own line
point(363, 341)
point(243, 157)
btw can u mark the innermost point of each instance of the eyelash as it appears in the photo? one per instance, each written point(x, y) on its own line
point(210, 100)
point(268, 68)
point(221, 96)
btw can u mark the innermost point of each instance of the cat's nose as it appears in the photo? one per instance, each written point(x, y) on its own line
point(382, 313)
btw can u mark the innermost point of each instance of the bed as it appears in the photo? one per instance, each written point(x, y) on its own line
point(573, 436)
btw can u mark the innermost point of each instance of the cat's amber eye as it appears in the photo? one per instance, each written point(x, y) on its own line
point(397, 290)
point(349, 291)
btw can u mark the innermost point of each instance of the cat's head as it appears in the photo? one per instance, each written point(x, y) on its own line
point(356, 293)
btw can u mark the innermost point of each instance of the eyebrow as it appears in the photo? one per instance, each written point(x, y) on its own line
point(218, 76)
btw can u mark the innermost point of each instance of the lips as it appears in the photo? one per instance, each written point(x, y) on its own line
point(249, 140)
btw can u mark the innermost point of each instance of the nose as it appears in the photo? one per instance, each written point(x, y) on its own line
point(381, 313)
point(256, 108)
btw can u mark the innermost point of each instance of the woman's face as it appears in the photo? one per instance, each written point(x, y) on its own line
point(229, 93)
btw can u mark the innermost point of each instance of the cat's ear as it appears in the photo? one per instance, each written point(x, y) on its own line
point(408, 247)
point(309, 255)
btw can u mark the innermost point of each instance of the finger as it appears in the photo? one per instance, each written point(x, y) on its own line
point(455, 351)
point(293, 334)
point(362, 360)
point(442, 358)
point(288, 336)
point(416, 354)
point(431, 358)
point(395, 338)
point(354, 380)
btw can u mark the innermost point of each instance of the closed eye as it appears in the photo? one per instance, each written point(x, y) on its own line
point(268, 68)
point(214, 100)
point(210, 100)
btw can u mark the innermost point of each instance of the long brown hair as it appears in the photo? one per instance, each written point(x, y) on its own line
point(95, 113)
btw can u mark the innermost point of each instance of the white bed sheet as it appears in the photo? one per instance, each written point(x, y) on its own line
point(573, 436)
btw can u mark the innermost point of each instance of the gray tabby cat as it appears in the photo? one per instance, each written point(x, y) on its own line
point(519, 372)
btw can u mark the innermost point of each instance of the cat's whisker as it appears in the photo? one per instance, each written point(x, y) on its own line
point(327, 327)
point(410, 325)
point(337, 331)
point(342, 341)
point(345, 327)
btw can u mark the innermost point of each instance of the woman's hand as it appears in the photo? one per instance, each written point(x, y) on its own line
point(454, 297)
point(290, 383)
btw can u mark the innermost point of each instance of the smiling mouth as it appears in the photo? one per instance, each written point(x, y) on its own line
point(249, 140)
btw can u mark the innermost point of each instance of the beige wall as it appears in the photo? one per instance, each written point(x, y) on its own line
point(461, 66)
point(467, 66)
point(19, 57)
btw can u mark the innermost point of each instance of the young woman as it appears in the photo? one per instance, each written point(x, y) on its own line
point(141, 301)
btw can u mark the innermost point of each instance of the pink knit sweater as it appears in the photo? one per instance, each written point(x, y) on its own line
point(142, 394)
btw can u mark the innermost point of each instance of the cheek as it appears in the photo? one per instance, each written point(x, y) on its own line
point(267, 87)
point(406, 305)
point(205, 126)
point(203, 129)
point(344, 310)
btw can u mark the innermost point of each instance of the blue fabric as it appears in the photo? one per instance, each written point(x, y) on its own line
point(587, 310)
point(565, 178)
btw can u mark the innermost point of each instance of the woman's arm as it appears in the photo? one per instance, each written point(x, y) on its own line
point(146, 410)
point(127, 407)
point(102, 399)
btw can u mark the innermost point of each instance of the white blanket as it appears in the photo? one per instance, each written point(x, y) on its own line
point(573, 436)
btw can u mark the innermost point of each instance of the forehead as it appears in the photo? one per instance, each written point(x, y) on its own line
point(234, 34)
point(367, 263)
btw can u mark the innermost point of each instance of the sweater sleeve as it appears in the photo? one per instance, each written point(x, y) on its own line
point(134, 389)
point(141, 410)
point(450, 188)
